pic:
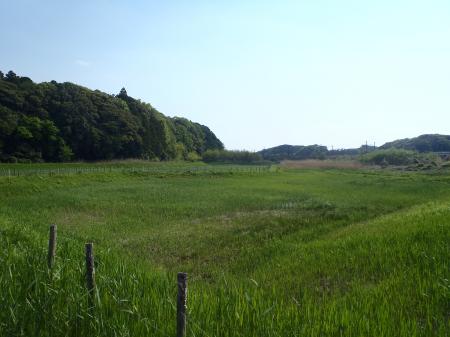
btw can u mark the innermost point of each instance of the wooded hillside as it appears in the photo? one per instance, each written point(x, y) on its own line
point(423, 143)
point(53, 121)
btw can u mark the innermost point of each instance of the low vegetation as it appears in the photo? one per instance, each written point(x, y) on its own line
point(405, 158)
point(234, 157)
point(389, 157)
point(331, 252)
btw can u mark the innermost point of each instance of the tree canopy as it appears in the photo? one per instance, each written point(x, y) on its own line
point(294, 152)
point(53, 121)
point(423, 143)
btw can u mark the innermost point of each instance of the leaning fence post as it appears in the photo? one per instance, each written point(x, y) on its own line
point(181, 304)
point(51, 246)
point(90, 272)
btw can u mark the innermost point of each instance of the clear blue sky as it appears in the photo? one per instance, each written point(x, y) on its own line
point(259, 73)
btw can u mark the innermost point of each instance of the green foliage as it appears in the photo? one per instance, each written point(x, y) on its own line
point(294, 152)
point(193, 156)
point(223, 156)
point(123, 93)
point(195, 137)
point(11, 76)
point(389, 157)
point(293, 253)
point(180, 151)
point(400, 157)
point(423, 143)
point(62, 121)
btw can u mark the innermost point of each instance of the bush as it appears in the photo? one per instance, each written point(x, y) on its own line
point(389, 157)
point(402, 157)
point(193, 156)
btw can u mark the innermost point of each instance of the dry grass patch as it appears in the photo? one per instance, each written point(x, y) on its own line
point(315, 163)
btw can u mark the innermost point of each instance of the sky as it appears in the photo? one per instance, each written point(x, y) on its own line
point(258, 73)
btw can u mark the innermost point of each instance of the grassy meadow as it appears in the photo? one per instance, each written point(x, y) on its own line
point(268, 252)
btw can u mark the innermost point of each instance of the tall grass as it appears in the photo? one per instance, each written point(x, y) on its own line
point(309, 259)
point(12, 170)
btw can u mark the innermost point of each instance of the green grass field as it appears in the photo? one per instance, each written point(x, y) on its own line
point(270, 252)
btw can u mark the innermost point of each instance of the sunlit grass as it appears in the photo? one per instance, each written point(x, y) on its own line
point(289, 253)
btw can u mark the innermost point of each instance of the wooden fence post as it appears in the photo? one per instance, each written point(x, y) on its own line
point(51, 246)
point(90, 272)
point(181, 304)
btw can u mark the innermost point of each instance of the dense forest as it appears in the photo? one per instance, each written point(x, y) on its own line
point(53, 121)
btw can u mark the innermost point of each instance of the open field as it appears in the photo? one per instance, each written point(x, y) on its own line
point(332, 252)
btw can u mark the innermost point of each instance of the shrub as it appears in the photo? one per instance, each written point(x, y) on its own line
point(225, 156)
point(389, 157)
point(402, 157)
point(193, 156)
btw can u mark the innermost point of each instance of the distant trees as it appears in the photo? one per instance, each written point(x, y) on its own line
point(236, 157)
point(63, 121)
point(294, 152)
point(423, 143)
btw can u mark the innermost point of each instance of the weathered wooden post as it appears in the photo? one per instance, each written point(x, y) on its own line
point(90, 273)
point(51, 246)
point(181, 304)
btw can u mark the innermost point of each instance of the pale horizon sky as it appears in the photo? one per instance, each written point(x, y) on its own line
point(258, 73)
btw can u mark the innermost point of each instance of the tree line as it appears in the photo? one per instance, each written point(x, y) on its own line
point(422, 144)
point(232, 157)
point(53, 121)
point(294, 152)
